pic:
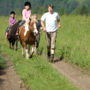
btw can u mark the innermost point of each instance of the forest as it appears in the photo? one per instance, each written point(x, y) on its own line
point(40, 6)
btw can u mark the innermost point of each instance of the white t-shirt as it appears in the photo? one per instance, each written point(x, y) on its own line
point(51, 21)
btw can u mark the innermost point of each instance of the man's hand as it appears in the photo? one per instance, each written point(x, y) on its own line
point(43, 27)
point(59, 25)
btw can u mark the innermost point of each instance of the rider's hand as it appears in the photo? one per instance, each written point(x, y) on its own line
point(44, 29)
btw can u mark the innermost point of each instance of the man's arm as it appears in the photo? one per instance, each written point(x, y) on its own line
point(59, 24)
point(43, 26)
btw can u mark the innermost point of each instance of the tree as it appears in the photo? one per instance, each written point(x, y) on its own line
point(63, 11)
point(84, 10)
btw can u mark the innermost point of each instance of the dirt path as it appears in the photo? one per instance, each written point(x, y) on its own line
point(9, 80)
point(73, 74)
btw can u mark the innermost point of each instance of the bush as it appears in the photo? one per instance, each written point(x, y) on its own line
point(83, 10)
point(63, 11)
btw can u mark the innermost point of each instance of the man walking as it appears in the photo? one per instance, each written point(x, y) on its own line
point(52, 21)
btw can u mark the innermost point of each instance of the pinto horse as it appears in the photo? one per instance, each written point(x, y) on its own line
point(12, 37)
point(27, 34)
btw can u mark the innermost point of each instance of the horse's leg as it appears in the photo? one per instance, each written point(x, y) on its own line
point(13, 42)
point(10, 44)
point(22, 48)
point(27, 51)
point(32, 49)
point(32, 52)
point(22, 51)
point(35, 49)
point(27, 54)
point(16, 44)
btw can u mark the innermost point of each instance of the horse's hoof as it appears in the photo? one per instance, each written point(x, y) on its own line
point(30, 56)
point(27, 58)
point(16, 49)
point(13, 48)
point(23, 55)
point(51, 60)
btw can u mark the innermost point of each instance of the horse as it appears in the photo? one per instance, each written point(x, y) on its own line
point(12, 36)
point(27, 35)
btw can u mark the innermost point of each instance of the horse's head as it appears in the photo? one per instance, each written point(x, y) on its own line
point(33, 25)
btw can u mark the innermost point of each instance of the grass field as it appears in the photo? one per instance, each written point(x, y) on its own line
point(2, 62)
point(72, 43)
point(73, 40)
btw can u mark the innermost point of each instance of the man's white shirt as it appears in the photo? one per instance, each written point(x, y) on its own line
point(51, 21)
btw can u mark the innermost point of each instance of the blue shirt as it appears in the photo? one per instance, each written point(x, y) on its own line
point(39, 25)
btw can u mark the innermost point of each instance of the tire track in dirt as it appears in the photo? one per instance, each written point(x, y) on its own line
point(9, 80)
point(73, 74)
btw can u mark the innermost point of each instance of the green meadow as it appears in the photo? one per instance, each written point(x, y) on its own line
point(2, 63)
point(73, 40)
point(72, 44)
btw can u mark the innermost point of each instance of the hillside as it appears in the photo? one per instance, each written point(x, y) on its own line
point(62, 6)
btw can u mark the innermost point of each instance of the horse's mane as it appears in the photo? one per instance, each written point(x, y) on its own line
point(14, 28)
point(33, 19)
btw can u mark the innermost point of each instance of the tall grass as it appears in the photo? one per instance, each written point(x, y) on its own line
point(2, 62)
point(74, 40)
point(37, 73)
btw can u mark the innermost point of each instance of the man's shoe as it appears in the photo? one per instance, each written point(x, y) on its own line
point(48, 55)
point(52, 58)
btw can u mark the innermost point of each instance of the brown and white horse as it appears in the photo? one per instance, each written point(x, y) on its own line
point(27, 33)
